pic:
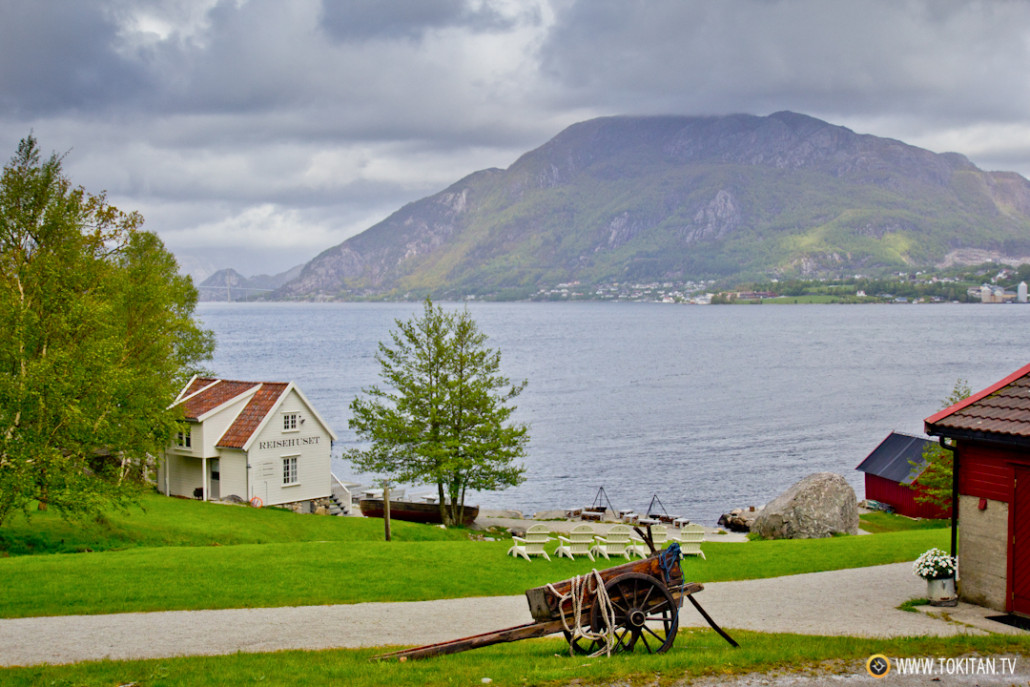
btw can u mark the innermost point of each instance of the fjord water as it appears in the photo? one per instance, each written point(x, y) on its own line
point(707, 407)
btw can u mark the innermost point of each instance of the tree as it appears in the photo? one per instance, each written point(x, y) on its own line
point(935, 480)
point(98, 339)
point(443, 417)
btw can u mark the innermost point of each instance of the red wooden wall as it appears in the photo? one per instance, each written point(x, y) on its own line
point(901, 497)
point(986, 471)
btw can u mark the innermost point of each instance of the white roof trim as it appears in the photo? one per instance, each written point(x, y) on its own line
point(290, 386)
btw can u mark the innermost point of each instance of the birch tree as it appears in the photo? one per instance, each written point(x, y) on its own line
point(98, 337)
point(443, 413)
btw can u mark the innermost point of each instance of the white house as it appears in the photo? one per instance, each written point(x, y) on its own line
point(260, 441)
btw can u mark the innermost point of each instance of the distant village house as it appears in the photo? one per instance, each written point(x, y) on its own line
point(261, 442)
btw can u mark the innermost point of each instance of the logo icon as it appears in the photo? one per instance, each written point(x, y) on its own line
point(878, 665)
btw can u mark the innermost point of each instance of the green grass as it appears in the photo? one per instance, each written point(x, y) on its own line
point(696, 653)
point(910, 606)
point(349, 571)
point(224, 557)
point(277, 558)
point(162, 521)
point(878, 521)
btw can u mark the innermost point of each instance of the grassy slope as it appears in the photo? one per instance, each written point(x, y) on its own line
point(161, 521)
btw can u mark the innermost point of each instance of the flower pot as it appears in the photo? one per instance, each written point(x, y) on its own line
point(941, 592)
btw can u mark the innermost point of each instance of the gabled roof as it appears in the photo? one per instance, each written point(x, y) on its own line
point(893, 458)
point(1001, 411)
point(205, 395)
point(260, 406)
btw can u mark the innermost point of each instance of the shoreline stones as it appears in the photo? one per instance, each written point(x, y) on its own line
point(739, 519)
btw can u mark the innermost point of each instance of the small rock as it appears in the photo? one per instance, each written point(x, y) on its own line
point(738, 520)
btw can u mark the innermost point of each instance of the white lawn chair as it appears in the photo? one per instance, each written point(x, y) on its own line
point(532, 544)
point(578, 543)
point(690, 539)
point(660, 537)
point(615, 543)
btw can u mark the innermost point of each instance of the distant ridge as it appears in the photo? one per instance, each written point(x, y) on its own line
point(682, 198)
point(230, 285)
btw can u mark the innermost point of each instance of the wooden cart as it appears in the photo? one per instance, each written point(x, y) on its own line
point(639, 605)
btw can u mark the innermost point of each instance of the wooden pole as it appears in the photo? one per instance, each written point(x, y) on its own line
point(386, 510)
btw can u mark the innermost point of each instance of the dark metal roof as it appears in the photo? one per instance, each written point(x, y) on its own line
point(1001, 411)
point(893, 458)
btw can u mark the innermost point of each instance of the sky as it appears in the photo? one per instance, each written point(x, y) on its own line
point(255, 134)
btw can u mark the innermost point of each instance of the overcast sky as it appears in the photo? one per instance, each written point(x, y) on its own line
point(256, 133)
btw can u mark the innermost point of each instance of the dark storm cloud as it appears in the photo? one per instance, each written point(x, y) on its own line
point(944, 60)
point(289, 125)
point(56, 59)
point(361, 20)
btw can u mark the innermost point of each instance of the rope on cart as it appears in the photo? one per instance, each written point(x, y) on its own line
point(667, 558)
point(578, 593)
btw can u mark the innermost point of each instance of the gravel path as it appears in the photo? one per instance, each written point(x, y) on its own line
point(847, 602)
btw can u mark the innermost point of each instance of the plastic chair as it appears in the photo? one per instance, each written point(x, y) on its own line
point(659, 536)
point(578, 543)
point(690, 539)
point(615, 543)
point(532, 544)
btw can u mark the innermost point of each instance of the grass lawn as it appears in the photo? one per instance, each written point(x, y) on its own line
point(695, 653)
point(878, 521)
point(352, 567)
point(224, 557)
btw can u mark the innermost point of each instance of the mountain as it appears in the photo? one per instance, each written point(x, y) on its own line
point(682, 198)
point(230, 285)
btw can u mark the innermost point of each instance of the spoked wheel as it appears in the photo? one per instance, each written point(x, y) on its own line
point(645, 613)
point(582, 645)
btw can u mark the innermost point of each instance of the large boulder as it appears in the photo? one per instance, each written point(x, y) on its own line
point(820, 505)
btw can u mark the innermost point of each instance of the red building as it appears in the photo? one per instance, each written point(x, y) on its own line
point(990, 435)
point(890, 470)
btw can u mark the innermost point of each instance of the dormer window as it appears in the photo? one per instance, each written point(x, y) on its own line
point(291, 421)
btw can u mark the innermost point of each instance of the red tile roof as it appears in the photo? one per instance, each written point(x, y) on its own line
point(1001, 409)
point(204, 394)
point(257, 409)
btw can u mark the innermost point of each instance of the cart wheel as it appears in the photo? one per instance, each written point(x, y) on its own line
point(645, 613)
point(581, 645)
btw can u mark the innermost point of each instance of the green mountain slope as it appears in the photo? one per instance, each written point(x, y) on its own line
point(682, 198)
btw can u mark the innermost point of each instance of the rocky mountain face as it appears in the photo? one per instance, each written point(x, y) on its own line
point(682, 198)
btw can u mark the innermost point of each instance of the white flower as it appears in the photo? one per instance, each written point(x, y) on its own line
point(935, 565)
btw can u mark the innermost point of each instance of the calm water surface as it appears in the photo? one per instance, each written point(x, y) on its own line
point(709, 408)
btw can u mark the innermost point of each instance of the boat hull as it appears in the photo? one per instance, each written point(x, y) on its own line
point(412, 512)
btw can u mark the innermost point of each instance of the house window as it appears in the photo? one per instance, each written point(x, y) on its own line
point(184, 439)
point(290, 421)
point(290, 470)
